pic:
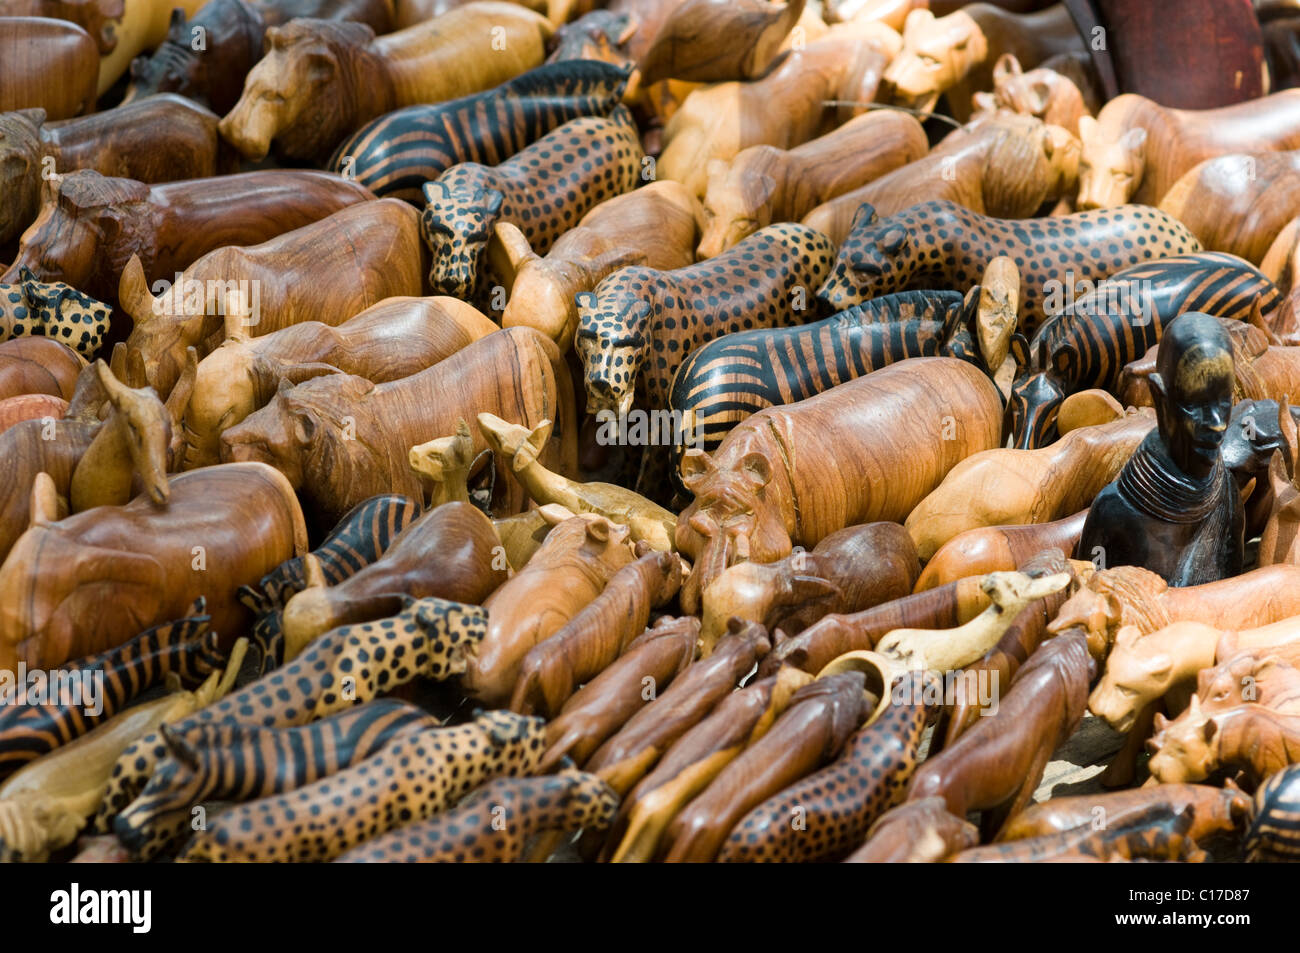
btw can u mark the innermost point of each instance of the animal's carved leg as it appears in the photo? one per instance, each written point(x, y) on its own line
point(1123, 767)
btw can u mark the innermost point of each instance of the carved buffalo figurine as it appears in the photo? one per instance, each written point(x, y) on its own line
point(320, 79)
point(341, 438)
point(82, 584)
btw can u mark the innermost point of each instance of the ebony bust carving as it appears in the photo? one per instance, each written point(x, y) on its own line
point(1174, 508)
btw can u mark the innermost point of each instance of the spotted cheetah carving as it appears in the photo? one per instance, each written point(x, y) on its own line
point(543, 189)
point(412, 778)
point(54, 310)
point(943, 245)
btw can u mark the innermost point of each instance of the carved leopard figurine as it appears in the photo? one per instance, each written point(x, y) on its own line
point(543, 189)
point(943, 245)
point(54, 310)
point(414, 777)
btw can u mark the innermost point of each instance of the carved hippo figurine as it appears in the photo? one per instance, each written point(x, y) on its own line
point(49, 64)
point(782, 109)
point(764, 184)
point(540, 189)
point(232, 32)
point(848, 571)
point(321, 80)
point(448, 553)
point(926, 246)
point(342, 264)
point(93, 580)
point(577, 560)
point(643, 318)
point(90, 225)
point(687, 46)
point(544, 290)
point(956, 54)
point(341, 438)
point(395, 338)
point(1001, 165)
point(159, 139)
point(38, 365)
point(1136, 149)
point(29, 306)
point(397, 153)
point(745, 495)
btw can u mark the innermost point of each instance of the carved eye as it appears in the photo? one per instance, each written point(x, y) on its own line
point(928, 61)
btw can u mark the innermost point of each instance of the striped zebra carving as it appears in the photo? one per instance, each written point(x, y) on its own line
point(1274, 835)
point(234, 762)
point(739, 374)
point(361, 536)
point(1088, 343)
point(184, 646)
point(397, 153)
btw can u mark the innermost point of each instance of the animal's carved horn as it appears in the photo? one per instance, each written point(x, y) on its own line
point(133, 293)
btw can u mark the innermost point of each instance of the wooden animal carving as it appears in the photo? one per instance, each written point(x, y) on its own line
point(569, 801)
point(541, 189)
point(838, 804)
point(233, 32)
point(1213, 810)
point(812, 731)
point(640, 318)
point(784, 108)
point(142, 27)
point(916, 832)
point(1272, 834)
point(236, 762)
point(160, 139)
point(321, 80)
point(1060, 95)
point(1136, 149)
point(592, 639)
point(687, 45)
point(397, 153)
point(738, 374)
point(1153, 834)
point(410, 12)
point(438, 766)
point(29, 306)
point(763, 184)
point(606, 703)
point(38, 365)
point(998, 548)
point(576, 562)
point(927, 245)
point(342, 264)
point(544, 291)
point(448, 553)
point(1003, 486)
point(1101, 328)
point(996, 765)
point(392, 339)
point(90, 225)
point(848, 571)
point(429, 639)
point(93, 580)
point(756, 497)
point(185, 647)
point(342, 439)
point(1251, 737)
point(1002, 165)
point(49, 64)
point(93, 16)
point(14, 410)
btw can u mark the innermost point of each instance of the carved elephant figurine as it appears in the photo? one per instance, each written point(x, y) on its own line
point(49, 65)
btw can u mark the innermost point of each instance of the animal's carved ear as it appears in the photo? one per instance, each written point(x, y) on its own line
point(44, 505)
point(313, 574)
point(133, 292)
point(893, 241)
point(864, 216)
point(1161, 665)
point(695, 466)
point(1156, 384)
point(598, 530)
point(757, 469)
point(492, 201)
point(1134, 139)
point(275, 38)
point(1209, 730)
point(999, 305)
point(36, 116)
point(1005, 68)
point(1087, 128)
point(915, 23)
point(178, 747)
point(304, 427)
point(515, 249)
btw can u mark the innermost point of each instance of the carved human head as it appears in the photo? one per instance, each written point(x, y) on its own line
point(1192, 390)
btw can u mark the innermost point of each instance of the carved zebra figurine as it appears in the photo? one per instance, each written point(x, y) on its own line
point(234, 762)
point(1088, 343)
point(1274, 835)
point(344, 667)
point(740, 374)
point(185, 647)
point(397, 153)
point(361, 536)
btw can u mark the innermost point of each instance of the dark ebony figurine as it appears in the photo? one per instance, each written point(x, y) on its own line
point(1174, 508)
